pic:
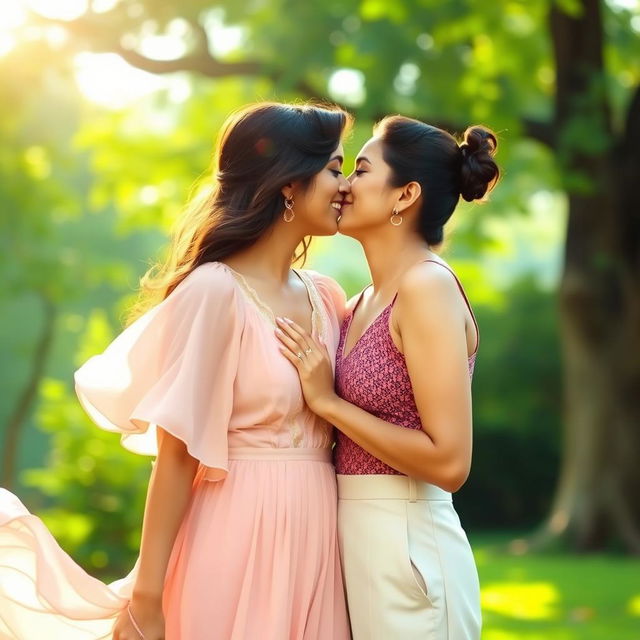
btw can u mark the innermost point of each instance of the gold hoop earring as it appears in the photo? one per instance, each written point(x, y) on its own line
point(289, 214)
point(398, 218)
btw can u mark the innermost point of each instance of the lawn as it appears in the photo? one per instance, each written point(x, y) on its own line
point(556, 597)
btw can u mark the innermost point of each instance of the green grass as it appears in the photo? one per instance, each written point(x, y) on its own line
point(556, 596)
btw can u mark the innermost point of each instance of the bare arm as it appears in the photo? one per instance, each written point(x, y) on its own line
point(431, 323)
point(167, 500)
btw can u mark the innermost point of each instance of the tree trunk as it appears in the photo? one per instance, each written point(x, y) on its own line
point(597, 503)
point(23, 407)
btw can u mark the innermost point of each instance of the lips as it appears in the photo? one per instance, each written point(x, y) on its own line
point(337, 206)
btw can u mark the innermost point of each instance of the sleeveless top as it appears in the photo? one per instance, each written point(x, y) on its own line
point(374, 377)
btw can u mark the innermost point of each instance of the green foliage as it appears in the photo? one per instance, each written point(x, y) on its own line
point(555, 597)
point(517, 412)
point(87, 195)
point(96, 491)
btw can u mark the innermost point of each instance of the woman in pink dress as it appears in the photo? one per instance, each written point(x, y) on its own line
point(239, 536)
point(402, 399)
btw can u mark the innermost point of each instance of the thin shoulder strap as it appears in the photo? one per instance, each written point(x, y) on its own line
point(464, 295)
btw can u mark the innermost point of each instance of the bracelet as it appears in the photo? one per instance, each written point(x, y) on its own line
point(134, 623)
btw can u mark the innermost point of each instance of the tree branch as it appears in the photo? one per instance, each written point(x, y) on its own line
point(202, 64)
point(208, 66)
point(90, 29)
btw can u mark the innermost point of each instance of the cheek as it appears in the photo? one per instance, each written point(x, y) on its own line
point(324, 190)
point(367, 188)
point(358, 189)
point(317, 201)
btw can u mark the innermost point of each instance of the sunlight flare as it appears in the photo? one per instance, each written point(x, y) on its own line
point(107, 80)
point(524, 601)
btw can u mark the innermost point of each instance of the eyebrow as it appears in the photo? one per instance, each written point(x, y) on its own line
point(340, 159)
point(363, 159)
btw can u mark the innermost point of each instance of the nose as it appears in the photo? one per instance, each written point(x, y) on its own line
point(345, 185)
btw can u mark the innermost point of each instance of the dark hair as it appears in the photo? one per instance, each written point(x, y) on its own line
point(419, 152)
point(261, 148)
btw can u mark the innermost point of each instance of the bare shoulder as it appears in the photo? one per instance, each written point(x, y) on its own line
point(428, 283)
point(429, 307)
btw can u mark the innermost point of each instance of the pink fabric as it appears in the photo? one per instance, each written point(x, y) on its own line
point(175, 366)
point(256, 555)
point(374, 376)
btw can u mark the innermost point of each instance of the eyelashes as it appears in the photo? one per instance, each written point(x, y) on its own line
point(337, 172)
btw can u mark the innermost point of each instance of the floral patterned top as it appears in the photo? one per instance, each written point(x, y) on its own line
point(374, 376)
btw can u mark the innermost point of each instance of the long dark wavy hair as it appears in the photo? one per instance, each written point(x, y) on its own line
point(260, 148)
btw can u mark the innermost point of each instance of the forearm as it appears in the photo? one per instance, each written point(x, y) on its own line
point(410, 451)
point(168, 497)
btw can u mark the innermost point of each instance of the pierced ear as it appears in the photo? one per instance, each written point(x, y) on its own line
point(287, 190)
point(410, 193)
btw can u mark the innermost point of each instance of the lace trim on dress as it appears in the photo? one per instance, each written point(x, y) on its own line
point(318, 324)
point(318, 327)
point(252, 294)
point(317, 320)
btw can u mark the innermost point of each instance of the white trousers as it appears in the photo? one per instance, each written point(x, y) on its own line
point(408, 567)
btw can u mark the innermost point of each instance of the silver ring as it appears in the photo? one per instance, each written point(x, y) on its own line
point(299, 354)
point(308, 351)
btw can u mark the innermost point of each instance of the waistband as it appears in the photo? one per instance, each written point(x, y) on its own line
point(275, 453)
point(387, 487)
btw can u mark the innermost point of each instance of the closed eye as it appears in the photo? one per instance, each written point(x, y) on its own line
point(336, 172)
point(359, 171)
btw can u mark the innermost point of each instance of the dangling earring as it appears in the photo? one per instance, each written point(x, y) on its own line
point(289, 214)
point(398, 218)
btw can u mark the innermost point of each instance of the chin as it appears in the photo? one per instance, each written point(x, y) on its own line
point(326, 230)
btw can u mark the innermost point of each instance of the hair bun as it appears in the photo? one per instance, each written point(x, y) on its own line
point(478, 170)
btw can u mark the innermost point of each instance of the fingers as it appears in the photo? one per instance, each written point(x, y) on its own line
point(291, 357)
point(293, 348)
point(295, 329)
point(295, 344)
point(298, 346)
point(297, 334)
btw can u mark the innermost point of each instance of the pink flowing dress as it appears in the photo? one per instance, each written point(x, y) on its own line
point(256, 555)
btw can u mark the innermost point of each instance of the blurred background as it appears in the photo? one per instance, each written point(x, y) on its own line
point(108, 114)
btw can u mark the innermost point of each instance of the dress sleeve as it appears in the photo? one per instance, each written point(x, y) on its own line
point(174, 367)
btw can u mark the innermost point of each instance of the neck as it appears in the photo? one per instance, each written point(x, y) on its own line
point(269, 258)
point(390, 254)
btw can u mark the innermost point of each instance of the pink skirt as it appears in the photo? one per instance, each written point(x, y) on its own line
point(256, 557)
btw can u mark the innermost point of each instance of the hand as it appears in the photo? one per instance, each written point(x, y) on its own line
point(312, 362)
point(148, 617)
